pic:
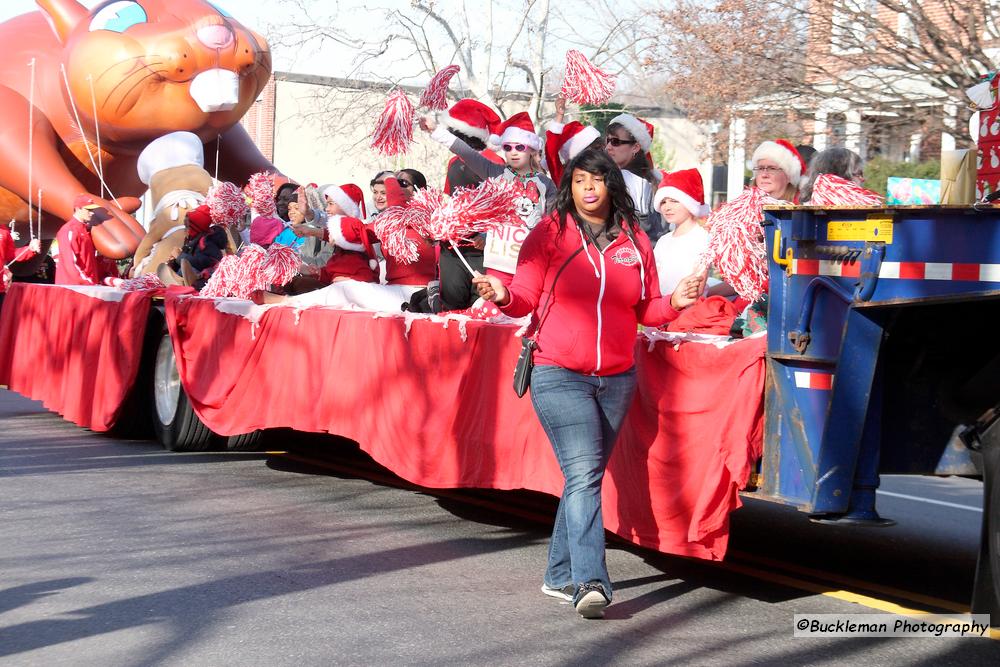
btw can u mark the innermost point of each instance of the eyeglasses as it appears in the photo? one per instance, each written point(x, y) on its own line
point(515, 147)
point(403, 183)
point(615, 141)
point(766, 170)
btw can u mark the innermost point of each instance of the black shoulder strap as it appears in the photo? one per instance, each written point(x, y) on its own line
point(552, 289)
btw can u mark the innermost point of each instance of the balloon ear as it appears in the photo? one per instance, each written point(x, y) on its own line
point(63, 15)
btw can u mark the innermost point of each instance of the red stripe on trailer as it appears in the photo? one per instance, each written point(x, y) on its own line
point(965, 272)
point(807, 267)
point(850, 270)
point(821, 381)
point(911, 270)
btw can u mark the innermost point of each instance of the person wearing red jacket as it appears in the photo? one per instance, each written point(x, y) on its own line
point(417, 273)
point(9, 253)
point(584, 375)
point(77, 263)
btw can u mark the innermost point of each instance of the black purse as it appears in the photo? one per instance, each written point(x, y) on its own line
point(526, 360)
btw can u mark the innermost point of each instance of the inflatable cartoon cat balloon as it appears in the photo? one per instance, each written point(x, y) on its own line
point(149, 67)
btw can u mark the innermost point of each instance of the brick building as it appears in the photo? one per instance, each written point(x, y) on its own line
point(858, 50)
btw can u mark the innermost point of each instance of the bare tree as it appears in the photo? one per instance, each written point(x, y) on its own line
point(507, 49)
point(899, 61)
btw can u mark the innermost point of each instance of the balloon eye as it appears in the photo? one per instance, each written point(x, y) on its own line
point(118, 16)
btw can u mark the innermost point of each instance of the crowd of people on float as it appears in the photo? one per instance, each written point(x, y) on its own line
point(621, 240)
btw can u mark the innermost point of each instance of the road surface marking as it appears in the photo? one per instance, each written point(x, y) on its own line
point(931, 501)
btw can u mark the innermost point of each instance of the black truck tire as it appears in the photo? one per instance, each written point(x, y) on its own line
point(246, 442)
point(176, 425)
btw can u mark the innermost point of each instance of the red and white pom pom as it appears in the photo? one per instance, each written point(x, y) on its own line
point(435, 95)
point(477, 210)
point(736, 243)
point(222, 278)
point(147, 281)
point(280, 266)
point(226, 204)
point(394, 130)
point(250, 272)
point(391, 227)
point(584, 82)
point(419, 211)
point(260, 189)
point(831, 190)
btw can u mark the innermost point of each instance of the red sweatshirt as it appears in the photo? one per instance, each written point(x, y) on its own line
point(77, 263)
point(600, 299)
point(419, 272)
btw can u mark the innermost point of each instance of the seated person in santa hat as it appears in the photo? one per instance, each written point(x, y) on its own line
point(680, 199)
point(203, 249)
point(353, 256)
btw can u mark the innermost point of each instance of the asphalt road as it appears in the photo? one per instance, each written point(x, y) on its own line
point(115, 552)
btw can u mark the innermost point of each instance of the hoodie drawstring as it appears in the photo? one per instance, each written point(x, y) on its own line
point(586, 251)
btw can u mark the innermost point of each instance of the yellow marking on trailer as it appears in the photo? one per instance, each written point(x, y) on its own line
point(874, 228)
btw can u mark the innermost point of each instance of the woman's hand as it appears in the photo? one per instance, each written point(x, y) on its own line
point(560, 109)
point(491, 289)
point(689, 290)
point(427, 122)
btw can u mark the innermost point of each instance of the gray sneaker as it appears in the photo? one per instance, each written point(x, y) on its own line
point(590, 600)
point(565, 593)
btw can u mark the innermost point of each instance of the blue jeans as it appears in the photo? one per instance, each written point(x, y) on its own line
point(582, 415)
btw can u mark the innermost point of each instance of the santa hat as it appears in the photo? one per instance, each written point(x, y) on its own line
point(350, 233)
point(640, 130)
point(348, 197)
point(472, 118)
point(684, 186)
point(264, 229)
point(783, 154)
point(564, 142)
point(199, 220)
point(177, 149)
point(518, 129)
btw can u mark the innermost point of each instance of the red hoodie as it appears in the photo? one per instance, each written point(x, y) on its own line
point(600, 299)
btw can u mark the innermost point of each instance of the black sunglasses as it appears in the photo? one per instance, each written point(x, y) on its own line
point(403, 183)
point(615, 141)
point(515, 147)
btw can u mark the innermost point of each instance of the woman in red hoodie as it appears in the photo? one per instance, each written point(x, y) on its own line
point(588, 274)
